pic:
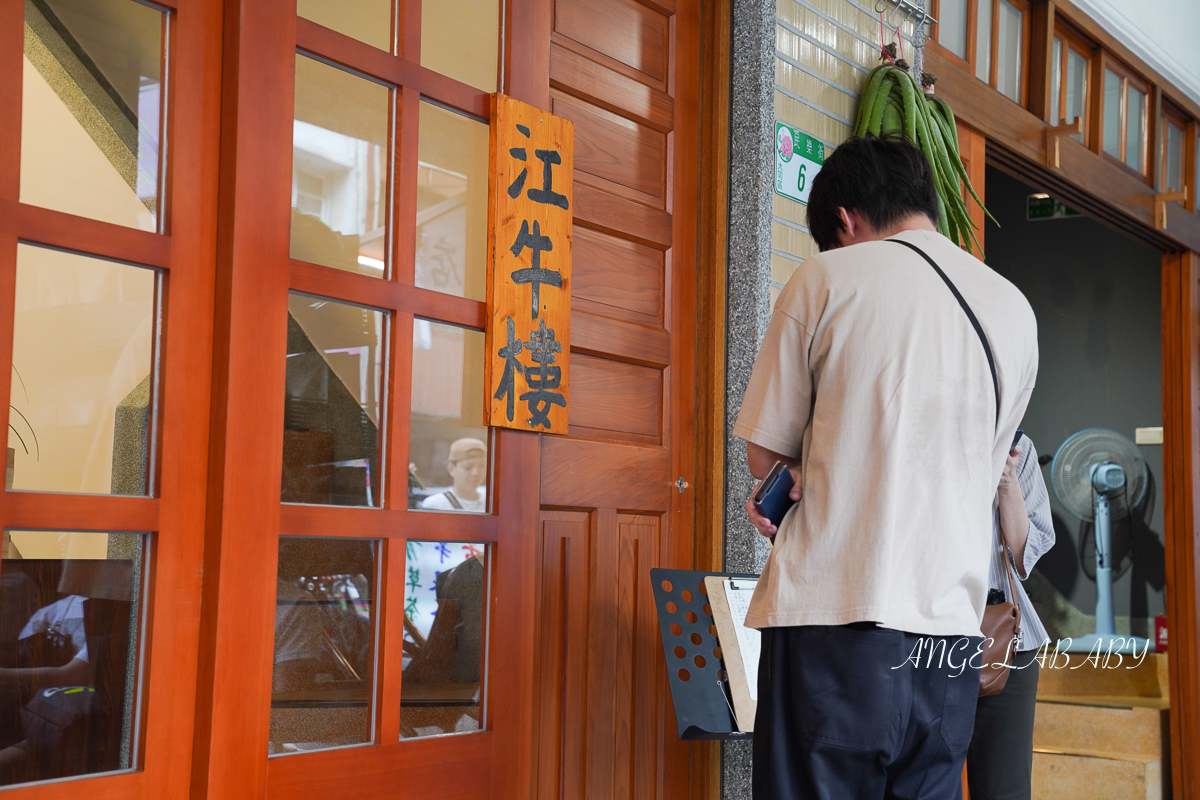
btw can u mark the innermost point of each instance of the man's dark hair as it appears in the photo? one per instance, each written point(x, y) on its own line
point(884, 179)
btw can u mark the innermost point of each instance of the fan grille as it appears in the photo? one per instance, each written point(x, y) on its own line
point(1075, 457)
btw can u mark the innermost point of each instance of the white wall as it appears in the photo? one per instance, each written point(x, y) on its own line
point(1162, 32)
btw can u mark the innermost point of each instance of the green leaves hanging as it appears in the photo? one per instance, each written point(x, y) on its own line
point(894, 102)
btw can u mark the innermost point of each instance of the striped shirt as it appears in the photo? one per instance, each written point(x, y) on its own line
point(1041, 539)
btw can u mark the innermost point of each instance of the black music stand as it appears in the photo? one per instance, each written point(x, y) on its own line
point(699, 686)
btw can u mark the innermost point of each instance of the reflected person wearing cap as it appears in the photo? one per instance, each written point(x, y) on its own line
point(467, 465)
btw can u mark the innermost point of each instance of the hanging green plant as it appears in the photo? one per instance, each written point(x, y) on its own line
point(894, 103)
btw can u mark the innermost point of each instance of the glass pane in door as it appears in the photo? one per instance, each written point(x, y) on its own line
point(70, 640)
point(1173, 179)
point(447, 450)
point(452, 184)
point(340, 169)
point(462, 40)
point(445, 638)
point(368, 21)
point(323, 679)
point(82, 400)
point(91, 109)
point(332, 403)
point(1056, 80)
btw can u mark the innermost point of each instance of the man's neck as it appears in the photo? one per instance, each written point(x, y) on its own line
point(916, 222)
point(470, 494)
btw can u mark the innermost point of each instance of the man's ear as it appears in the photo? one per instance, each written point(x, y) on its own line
point(849, 224)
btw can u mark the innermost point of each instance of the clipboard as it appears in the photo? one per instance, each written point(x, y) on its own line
point(699, 682)
point(739, 648)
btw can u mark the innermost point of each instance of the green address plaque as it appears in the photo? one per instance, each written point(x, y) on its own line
point(798, 159)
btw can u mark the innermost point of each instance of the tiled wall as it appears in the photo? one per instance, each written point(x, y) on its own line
point(824, 50)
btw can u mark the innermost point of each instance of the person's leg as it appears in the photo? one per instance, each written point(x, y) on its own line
point(1000, 759)
point(827, 718)
point(941, 711)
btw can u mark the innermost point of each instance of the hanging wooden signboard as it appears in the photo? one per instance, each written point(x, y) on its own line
point(529, 268)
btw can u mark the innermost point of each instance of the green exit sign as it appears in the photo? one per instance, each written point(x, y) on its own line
point(1043, 206)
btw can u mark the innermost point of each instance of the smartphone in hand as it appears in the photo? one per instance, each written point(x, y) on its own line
point(1016, 439)
point(773, 498)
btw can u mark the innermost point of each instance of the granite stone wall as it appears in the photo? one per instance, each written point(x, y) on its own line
point(747, 290)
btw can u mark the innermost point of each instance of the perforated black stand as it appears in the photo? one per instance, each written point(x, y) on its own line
point(699, 687)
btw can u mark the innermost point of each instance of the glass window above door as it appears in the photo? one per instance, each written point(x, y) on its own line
point(461, 40)
point(368, 21)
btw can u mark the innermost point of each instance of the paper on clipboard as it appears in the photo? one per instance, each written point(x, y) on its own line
point(740, 646)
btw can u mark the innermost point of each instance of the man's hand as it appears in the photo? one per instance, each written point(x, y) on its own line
point(1008, 479)
point(760, 522)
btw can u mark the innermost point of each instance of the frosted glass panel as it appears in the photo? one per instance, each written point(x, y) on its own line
point(82, 397)
point(952, 26)
point(1174, 165)
point(339, 169)
point(461, 39)
point(1076, 89)
point(368, 21)
point(1134, 135)
point(1008, 64)
point(1056, 84)
point(983, 41)
point(91, 116)
point(1112, 113)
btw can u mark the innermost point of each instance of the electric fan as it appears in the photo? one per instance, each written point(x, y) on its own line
point(1098, 473)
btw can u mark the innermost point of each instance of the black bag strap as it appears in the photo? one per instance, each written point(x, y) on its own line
point(457, 506)
point(987, 349)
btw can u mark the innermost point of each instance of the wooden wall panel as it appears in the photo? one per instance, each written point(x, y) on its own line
point(629, 157)
point(599, 660)
point(617, 277)
point(614, 400)
point(624, 30)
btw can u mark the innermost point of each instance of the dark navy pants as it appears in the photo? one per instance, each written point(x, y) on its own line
point(835, 721)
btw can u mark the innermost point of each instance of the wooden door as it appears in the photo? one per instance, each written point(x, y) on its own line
point(616, 494)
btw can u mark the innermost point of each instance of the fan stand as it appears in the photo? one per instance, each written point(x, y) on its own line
point(1105, 635)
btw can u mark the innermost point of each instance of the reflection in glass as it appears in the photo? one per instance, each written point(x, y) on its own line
point(368, 21)
point(69, 643)
point(324, 640)
point(447, 453)
point(444, 638)
point(91, 109)
point(1076, 89)
point(469, 53)
point(1174, 173)
point(983, 41)
point(1134, 135)
point(952, 26)
point(1008, 46)
point(1112, 113)
point(1056, 84)
point(82, 396)
point(331, 403)
point(452, 170)
point(340, 169)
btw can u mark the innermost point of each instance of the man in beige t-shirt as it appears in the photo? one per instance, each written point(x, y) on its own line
point(873, 385)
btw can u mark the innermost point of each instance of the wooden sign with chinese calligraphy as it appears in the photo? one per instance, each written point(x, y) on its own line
point(529, 267)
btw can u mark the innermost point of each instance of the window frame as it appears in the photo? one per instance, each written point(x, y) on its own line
point(968, 64)
point(1172, 115)
point(1128, 78)
point(1074, 41)
point(184, 253)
